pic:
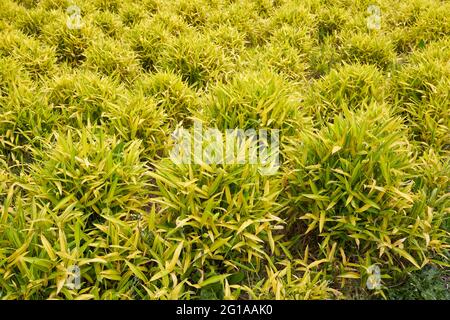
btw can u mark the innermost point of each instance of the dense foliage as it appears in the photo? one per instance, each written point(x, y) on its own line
point(87, 114)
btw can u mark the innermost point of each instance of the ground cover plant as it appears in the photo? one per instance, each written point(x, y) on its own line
point(96, 95)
